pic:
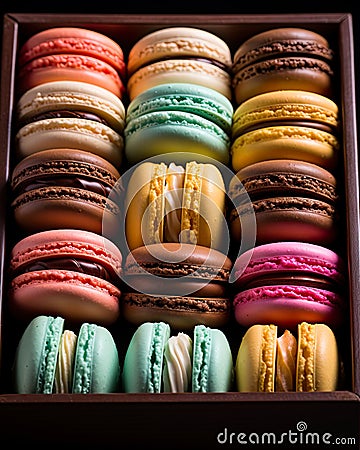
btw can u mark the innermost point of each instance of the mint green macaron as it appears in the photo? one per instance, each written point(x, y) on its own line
point(178, 117)
point(213, 368)
point(90, 364)
point(143, 364)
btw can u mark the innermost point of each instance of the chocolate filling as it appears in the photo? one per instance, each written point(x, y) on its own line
point(68, 181)
point(295, 278)
point(287, 122)
point(61, 114)
point(280, 183)
point(72, 264)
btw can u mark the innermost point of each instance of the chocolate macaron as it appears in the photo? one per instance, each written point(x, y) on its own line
point(65, 188)
point(283, 58)
point(292, 200)
point(180, 284)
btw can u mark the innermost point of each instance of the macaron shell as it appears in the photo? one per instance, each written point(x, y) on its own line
point(58, 67)
point(187, 97)
point(179, 71)
point(51, 208)
point(288, 305)
point(285, 105)
point(212, 361)
point(36, 355)
point(81, 134)
point(288, 257)
point(285, 39)
point(178, 42)
point(306, 74)
point(181, 313)
point(76, 297)
point(255, 361)
point(72, 96)
point(317, 360)
point(142, 369)
point(67, 243)
point(285, 142)
point(175, 132)
point(96, 365)
point(73, 40)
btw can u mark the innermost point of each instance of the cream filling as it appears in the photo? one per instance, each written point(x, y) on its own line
point(64, 366)
point(177, 364)
point(173, 202)
point(286, 362)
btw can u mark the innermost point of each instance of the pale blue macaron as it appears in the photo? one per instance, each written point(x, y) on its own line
point(96, 364)
point(178, 117)
point(143, 364)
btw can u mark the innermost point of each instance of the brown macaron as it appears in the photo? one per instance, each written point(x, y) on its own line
point(181, 284)
point(282, 58)
point(65, 188)
point(291, 200)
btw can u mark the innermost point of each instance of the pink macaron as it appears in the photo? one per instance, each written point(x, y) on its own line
point(286, 283)
point(73, 54)
point(71, 273)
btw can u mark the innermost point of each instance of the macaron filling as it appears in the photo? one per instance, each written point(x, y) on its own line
point(72, 114)
point(68, 264)
point(178, 363)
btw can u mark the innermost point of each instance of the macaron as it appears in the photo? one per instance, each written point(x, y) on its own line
point(180, 284)
point(158, 362)
point(290, 199)
point(179, 54)
point(181, 118)
point(65, 188)
point(76, 99)
point(283, 58)
point(71, 273)
point(286, 124)
point(72, 53)
point(51, 360)
point(69, 129)
point(268, 363)
point(175, 203)
point(286, 283)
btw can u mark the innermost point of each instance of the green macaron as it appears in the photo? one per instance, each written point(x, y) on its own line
point(213, 369)
point(178, 117)
point(143, 364)
point(156, 362)
point(50, 360)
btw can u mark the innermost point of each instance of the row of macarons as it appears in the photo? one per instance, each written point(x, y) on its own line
point(294, 58)
point(52, 360)
point(181, 120)
point(83, 277)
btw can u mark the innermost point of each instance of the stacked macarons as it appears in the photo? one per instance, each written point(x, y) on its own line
point(68, 153)
point(178, 120)
point(285, 150)
point(177, 140)
point(179, 54)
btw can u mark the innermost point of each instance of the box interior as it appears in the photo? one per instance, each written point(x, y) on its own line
point(234, 29)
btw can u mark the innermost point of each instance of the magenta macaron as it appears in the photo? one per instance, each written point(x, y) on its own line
point(66, 272)
point(286, 283)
